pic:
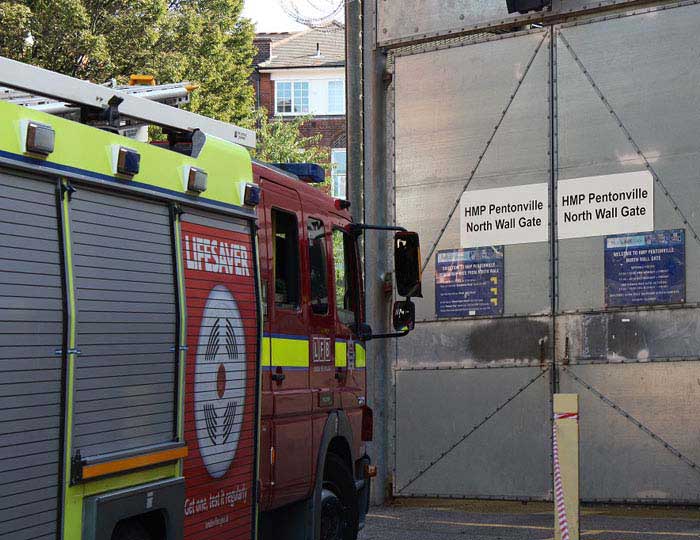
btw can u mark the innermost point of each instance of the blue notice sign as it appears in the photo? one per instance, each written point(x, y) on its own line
point(469, 282)
point(645, 268)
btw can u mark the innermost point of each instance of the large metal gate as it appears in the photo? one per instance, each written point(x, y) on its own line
point(472, 396)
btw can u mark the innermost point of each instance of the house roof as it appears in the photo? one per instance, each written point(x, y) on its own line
point(272, 36)
point(315, 47)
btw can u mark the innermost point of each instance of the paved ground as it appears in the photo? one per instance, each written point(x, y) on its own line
point(474, 520)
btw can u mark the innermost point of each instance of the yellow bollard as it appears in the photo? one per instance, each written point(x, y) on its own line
point(566, 467)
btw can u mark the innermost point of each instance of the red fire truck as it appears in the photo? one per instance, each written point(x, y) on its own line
point(315, 472)
point(182, 341)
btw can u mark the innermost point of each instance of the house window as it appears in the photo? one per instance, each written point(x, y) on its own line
point(336, 97)
point(338, 175)
point(283, 97)
point(291, 97)
point(301, 97)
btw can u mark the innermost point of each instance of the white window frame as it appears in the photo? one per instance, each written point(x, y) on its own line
point(340, 111)
point(294, 99)
point(339, 177)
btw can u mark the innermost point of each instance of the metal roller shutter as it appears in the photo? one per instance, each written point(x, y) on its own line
point(31, 323)
point(126, 323)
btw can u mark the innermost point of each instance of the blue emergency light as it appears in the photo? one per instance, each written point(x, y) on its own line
point(308, 172)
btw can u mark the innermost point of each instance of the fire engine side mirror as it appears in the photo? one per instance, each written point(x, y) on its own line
point(407, 264)
point(404, 316)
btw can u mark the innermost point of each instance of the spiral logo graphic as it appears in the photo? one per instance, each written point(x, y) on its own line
point(219, 381)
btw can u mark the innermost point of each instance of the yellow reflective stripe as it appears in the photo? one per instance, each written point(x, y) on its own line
point(265, 351)
point(286, 352)
point(360, 356)
point(341, 354)
point(290, 352)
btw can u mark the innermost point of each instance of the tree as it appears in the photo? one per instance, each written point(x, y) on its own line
point(15, 21)
point(207, 42)
point(281, 141)
point(203, 41)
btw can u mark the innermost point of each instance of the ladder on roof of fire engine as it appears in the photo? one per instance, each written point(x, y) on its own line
point(173, 94)
point(37, 81)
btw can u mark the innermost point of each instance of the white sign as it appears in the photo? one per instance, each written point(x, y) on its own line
point(602, 205)
point(500, 216)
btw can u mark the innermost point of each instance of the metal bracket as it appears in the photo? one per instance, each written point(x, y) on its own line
point(76, 468)
point(67, 190)
point(357, 229)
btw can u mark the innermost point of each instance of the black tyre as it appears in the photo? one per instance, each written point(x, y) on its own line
point(339, 512)
point(130, 529)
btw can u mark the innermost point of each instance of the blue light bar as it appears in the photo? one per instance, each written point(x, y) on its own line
point(308, 172)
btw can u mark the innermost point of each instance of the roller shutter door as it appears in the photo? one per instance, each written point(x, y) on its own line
point(31, 322)
point(126, 323)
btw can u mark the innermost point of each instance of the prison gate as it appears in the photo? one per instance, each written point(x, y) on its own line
point(603, 94)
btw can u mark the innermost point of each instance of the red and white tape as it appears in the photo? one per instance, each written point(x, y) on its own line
point(558, 484)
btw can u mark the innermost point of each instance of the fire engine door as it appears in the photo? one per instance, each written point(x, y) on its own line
point(349, 354)
point(289, 346)
point(321, 319)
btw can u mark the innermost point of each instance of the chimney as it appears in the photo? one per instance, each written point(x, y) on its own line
point(264, 46)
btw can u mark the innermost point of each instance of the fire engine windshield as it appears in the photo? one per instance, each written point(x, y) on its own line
point(317, 266)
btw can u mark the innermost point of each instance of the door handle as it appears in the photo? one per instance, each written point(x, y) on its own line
point(278, 376)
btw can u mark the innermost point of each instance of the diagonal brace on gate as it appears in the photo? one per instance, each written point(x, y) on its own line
point(483, 153)
point(677, 453)
point(474, 429)
point(626, 132)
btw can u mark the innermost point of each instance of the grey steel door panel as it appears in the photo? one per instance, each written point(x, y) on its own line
point(469, 118)
point(619, 460)
point(126, 323)
point(30, 370)
point(641, 65)
point(627, 101)
point(437, 156)
point(440, 419)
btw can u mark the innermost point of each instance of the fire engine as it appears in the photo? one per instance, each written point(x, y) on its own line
point(182, 341)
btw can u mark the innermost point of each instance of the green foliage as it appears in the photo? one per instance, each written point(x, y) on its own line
point(203, 41)
point(207, 42)
point(15, 20)
point(281, 141)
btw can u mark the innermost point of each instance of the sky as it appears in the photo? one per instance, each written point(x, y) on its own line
point(268, 15)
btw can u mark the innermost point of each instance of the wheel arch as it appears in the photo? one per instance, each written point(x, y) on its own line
point(337, 437)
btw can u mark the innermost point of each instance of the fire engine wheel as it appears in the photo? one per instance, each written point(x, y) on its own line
point(339, 515)
point(130, 529)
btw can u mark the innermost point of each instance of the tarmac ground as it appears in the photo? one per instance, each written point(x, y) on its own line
point(432, 519)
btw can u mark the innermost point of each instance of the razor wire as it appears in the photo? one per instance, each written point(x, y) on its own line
point(314, 13)
point(474, 429)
